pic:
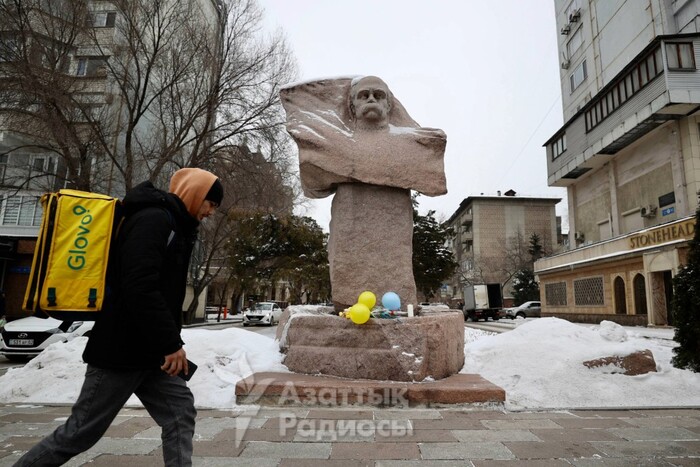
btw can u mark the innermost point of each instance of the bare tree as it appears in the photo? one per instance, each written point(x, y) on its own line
point(159, 85)
point(498, 267)
point(52, 109)
point(252, 184)
point(190, 87)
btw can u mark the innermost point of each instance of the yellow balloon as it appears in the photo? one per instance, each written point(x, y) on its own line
point(367, 298)
point(359, 313)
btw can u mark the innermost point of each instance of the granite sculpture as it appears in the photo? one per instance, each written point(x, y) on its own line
point(357, 141)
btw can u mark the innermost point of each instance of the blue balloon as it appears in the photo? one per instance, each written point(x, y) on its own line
point(391, 301)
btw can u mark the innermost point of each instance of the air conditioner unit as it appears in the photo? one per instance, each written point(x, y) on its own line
point(648, 211)
point(565, 64)
point(579, 236)
point(575, 15)
point(565, 30)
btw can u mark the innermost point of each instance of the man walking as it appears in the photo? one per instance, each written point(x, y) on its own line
point(135, 346)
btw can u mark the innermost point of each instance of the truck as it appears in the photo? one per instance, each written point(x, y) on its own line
point(483, 301)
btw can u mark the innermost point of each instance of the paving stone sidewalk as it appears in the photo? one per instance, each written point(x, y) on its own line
point(359, 436)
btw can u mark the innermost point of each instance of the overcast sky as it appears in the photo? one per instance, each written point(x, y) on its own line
point(484, 72)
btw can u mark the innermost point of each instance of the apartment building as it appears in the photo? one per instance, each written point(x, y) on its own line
point(72, 111)
point(628, 154)
point(492, 235)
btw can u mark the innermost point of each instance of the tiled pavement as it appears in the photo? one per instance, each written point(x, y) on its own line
point(364, 436)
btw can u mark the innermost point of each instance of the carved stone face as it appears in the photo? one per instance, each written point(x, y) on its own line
point(370, 102)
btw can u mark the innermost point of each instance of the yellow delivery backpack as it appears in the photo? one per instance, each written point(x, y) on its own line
point(69, 269)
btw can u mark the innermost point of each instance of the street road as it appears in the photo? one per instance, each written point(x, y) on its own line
point(499, 326)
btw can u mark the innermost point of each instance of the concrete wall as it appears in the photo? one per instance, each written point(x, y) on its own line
point(637, 177)
point(689, 134)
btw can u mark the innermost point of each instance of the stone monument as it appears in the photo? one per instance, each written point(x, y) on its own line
point(358, 142)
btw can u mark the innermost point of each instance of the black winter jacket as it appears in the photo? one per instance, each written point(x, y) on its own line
point(147, 276)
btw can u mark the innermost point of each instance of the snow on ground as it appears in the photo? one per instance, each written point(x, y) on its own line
point(538, 363)
point(540, 366)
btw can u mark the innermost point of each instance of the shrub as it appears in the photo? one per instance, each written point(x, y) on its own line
point(686, 307)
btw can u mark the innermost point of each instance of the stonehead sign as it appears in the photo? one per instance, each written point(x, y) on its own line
point(358, 142)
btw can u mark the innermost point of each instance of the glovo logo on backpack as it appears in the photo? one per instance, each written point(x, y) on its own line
point(76, 260)
point(70, 262)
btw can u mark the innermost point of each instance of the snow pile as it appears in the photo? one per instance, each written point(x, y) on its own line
point(223, 358)
point(540, 365)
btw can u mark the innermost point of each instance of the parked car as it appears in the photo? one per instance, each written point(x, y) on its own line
point(526, 310)
point(262, 313)
point(25, 338)
point(432, 307)
point(212, 310)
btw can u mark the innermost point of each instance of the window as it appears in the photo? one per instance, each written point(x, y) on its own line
point(589, 292)
point(679, 56)
point(658, 62)
point(635, 81)
point(643, 74)
point(37, 166)
point(11, 210)
point(91, 66)
point(624, 94)
point(578, 76)
point(639, 76)
point(630, 83)
point(102, 19)
point(41, 171)
point(559, 146)
point(555, 294)
point(652, 66)
point(668, 198)
point(21, 210)
point(575, 42)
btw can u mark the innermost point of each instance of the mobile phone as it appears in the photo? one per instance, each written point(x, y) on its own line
point(191, 368)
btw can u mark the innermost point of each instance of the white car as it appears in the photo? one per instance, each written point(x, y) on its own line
point(433, 307)
point(526, 310)
point(263, 313)
point(25, 338)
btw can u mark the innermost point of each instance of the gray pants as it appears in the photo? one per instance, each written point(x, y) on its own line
point(167, 399)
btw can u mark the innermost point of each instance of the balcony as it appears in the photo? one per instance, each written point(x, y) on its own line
point(662, 83)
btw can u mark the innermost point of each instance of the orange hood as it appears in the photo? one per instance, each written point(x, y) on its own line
point(191, 185)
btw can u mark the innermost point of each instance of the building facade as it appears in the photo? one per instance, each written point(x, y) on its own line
point(492, 235)
point(628, 154)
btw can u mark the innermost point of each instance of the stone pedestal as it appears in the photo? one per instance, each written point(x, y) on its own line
point(295, 389)
point(402, 349)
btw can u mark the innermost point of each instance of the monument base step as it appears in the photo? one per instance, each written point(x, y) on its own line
point(280, 389)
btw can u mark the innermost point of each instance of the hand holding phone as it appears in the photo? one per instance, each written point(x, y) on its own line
point(191, 368)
